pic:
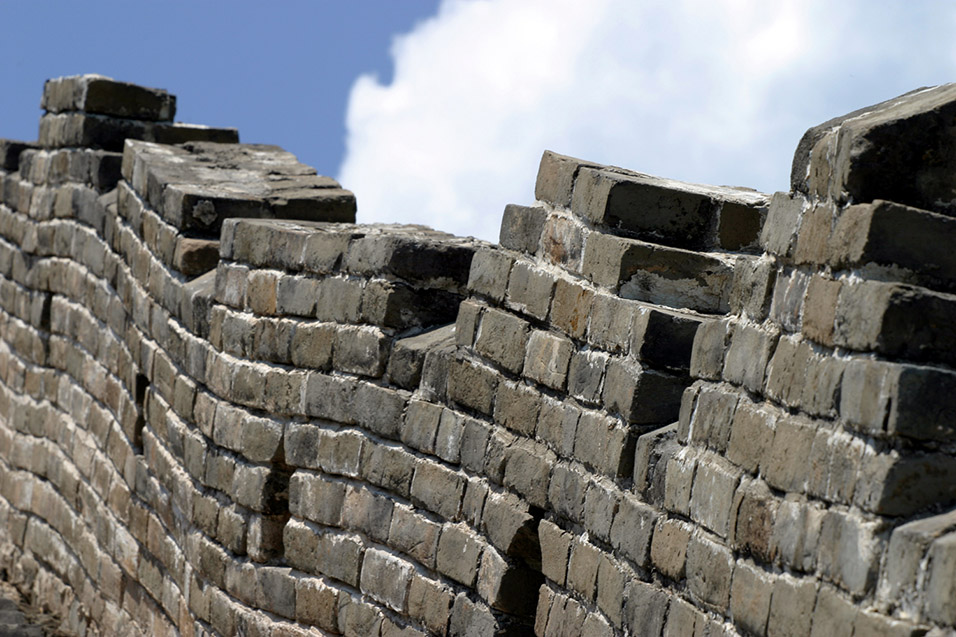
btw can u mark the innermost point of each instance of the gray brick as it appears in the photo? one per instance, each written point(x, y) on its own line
point(750, 597)
point(789, 293)
point(709, 571)
point(586, 375)
point(316, 604)
point(833, 615)
point(466, 323)
point(566, 492)
point(471, 385)
point(517, 406)
point(490, 270)
point(389, 467)
point(600, 504)
point(530, 290)
point(360, 350)
point(640, 395)
point(386, 579)
point(752, 519)
point(547, 359)
point(819, 310)
point(438, 489)
point(783, 218)
point(849, 551)
point(713, 493)
point(750, 351)
point(315, 498)
point(786, 466)
point(421, 425)
point(610, 322)
point(710, 347)
point(528, 471)
point(787, 371)
point(555, 551)
point(521, 228)
point(904, 559)
point(430, 602)
point(583, 568)
point(791, 607)
point(796, 533)
point(571, 307)
point(339, 300)
point(632, 528)
point(711, 422)
point(407, 360)
point(503, 337)
point(645, 608)
point(562, 241)
point(556, 175)
point(275, 590)
point(414, 535)
point(661, 275)
point(459, 552)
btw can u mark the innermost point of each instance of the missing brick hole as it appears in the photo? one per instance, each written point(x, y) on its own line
point(141, 385)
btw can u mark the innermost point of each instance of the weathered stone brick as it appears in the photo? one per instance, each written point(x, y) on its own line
point(657, 274)
point(791, 606)
point(530, 290)
point(709, 570)
point(669, 547)
point(750, 597)
point(556, 175)
point(796, 533)
point(645, 608)
point(710, 347)
point(430, 602)
point(386, 579)
point(586, 375)
point(459, 552)
point(641, 395)
point(360, 350)
point(503, 337)
point(521, 228)
point(752, 519)
point(438, 489)
point(751, 435)
point(472, 385)
point(833, 615)
point(610, 322)
point(785, 466)
point(603, 444)
point(566, 492)
point(750, 350)
point(715, 482)
point(316, 604)
point(631, 529)
point(490, 270)
point(571, 307)
point(407, 360)
point(849, 551)
point(547, 359)
point(414, 535)
point(517, 406)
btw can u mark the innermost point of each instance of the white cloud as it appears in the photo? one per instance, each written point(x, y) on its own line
point(714, 92)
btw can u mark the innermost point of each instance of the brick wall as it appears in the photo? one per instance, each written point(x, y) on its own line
point(656, 408)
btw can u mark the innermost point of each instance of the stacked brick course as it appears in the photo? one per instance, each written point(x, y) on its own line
point(655, 408)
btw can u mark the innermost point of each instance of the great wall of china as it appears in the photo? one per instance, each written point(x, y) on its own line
point(656, 408)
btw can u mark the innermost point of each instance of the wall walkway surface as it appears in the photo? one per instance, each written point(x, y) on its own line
point(655, 408)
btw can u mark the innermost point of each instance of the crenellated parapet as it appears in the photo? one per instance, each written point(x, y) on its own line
point(655, 408)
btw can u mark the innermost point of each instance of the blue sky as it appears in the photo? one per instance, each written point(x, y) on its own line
point(280, 72)
point(437, 111)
